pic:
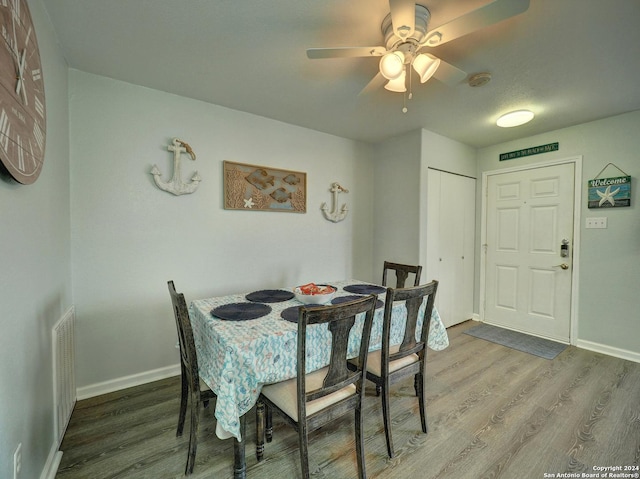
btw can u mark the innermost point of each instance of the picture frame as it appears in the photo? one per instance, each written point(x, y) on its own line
point(263, 188)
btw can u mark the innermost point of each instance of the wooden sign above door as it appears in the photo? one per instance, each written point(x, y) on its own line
point(534, 150)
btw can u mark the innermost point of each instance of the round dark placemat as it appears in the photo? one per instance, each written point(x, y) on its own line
point(346, 299)
point(270, 296)
point(241, 311)
point(365, 289)
point(291, 314)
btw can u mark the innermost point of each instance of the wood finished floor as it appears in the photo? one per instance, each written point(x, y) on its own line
point(493, 412)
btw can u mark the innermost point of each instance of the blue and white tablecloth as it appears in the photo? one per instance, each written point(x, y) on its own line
point(236, 358)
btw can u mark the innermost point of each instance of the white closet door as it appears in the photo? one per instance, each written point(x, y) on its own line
point(450, 243)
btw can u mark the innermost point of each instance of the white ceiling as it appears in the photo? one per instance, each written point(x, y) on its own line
point(570, 61)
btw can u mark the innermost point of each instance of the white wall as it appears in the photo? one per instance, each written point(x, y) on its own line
point(35, 279)
point(129, 238)
point(396, 201)
point(400, 198)
point(609, 302)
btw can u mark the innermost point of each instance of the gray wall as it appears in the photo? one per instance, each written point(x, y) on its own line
point(608, 302)
point(396, 204)
point(35, 282)
point(129, 238)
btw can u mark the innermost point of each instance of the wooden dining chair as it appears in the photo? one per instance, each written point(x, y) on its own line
point(312, 400)
point(192, 388)
point(402, 272)
point(391, 364)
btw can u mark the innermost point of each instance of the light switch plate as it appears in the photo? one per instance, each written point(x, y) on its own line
point(600, 222)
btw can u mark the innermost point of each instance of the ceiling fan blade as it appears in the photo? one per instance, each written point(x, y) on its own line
point(377, 82)
point(345, 52)
point(403, 17)
point(449, 74)
point(490, 14)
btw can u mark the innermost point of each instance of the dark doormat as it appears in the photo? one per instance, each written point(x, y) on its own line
point(543, 348)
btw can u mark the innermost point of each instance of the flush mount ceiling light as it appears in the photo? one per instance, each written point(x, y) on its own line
point(515, 118)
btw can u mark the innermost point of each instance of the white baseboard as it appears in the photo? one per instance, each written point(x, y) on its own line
point(476, 317)
point(53, 461)
point(609, 350)
point(112, 385)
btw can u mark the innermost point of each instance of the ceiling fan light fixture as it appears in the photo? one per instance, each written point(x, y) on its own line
point(425, 65)
point(392, 65)
point(515, 118)
point(397, 84)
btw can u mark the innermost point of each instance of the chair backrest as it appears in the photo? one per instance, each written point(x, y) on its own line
point(413, 299)
point(402, 272)
point(188, 358)
point(340, 320)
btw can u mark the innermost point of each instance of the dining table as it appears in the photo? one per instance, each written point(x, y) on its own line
point(244, 341)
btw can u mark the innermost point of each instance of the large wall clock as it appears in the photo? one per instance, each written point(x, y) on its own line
point(22, 105)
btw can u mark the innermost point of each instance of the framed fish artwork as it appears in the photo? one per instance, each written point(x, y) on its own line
point(262, 188)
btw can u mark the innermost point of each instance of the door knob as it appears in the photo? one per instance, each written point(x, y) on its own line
point(563, 266)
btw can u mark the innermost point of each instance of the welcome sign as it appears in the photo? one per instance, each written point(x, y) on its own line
point(609, 192)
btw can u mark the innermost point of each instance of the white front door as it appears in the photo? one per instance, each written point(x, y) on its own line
point(530, 214)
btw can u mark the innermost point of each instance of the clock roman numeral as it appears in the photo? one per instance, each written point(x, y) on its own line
point(5, 35)
point(33, 156)
point(5, 129)
point(16, 8)
point(37, 134)
point(39, 106)
point(36, 74)
point(20, 153)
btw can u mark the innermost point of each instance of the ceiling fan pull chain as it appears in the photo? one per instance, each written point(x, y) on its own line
point(404, 95)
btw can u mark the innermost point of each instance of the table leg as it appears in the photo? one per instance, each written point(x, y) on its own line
point(239, 462)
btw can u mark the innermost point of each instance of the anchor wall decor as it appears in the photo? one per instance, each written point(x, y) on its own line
point(176, 186)
point(335, 215)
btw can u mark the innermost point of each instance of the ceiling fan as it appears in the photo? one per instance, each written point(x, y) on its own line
point(407, 37)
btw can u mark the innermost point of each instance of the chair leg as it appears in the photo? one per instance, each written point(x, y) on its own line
point(193, 436)
point(386, 415)
point(362, 473)
point(259, 430)
point(184, 396)
point(421, 401)
point(304, 449)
